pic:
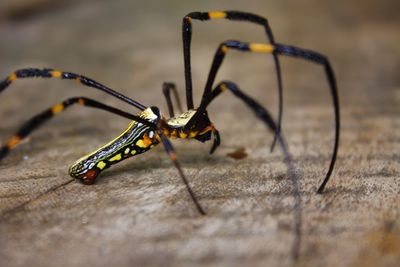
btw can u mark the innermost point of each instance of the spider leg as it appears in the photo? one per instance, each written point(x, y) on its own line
point(36, 121)
point(234, 16)
point(50, 73)
point(172, 154)
point(293, 52)
point(264, 115)
point(167, 88)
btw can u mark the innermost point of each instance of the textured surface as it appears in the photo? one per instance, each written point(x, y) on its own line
point(138, 212)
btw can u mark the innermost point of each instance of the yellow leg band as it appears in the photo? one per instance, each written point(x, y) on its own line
point(217, 15)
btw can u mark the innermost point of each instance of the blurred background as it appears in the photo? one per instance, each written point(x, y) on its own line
point(139, 213)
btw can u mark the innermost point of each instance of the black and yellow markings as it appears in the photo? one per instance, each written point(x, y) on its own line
point(57, 108)
point(14, 141)
point(79, 79)
point(81, 101)
point(26, 73)
point(61, 106)
point(101, 165)
point(224, 49)
point(56, 73)
point(179, 133)
point(12, 77)
point(223, 87)
point(217, 15)
point(261, 48)
point(251, 47)
point(183, 135)
point(117, 157)
point(141, 146)
point(144, 142)
point(206, 15)
point(136, 139)
point(193, 134)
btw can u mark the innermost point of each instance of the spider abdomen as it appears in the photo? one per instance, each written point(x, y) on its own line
point(136, 139)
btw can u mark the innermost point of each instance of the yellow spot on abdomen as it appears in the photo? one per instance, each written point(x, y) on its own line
point(57, 108)
point(217, 15)
point(116, 158)
point(263, 48)
point(56, 74)
point(133, 152)
point(101, 165)
point(145, 142)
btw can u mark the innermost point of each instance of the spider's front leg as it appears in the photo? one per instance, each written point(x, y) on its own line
point(38, 120)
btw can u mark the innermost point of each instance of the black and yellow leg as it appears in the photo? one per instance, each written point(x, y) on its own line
point(167, 88)
point(288, 51)
point(172, 154)
point(50, 73)
point(233, 16)
point(36, 121)
point(265, 116)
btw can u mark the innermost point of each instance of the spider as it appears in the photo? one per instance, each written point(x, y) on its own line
point(150, 127)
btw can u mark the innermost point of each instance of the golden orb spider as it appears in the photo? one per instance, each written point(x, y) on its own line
point(150, 127)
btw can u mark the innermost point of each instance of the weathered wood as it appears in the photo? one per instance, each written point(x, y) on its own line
point(138, 213)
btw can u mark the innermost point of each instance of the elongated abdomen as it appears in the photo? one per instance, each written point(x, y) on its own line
point(136, 139)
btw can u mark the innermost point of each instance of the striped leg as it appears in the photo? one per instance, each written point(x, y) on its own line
point(288, 51)
point(167, 88)
point(37, 120)
point(264, 115)
point(234, 16)
point(172, 154)
point(50, 73)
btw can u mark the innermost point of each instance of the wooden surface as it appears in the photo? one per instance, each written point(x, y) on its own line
point(138, 213)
